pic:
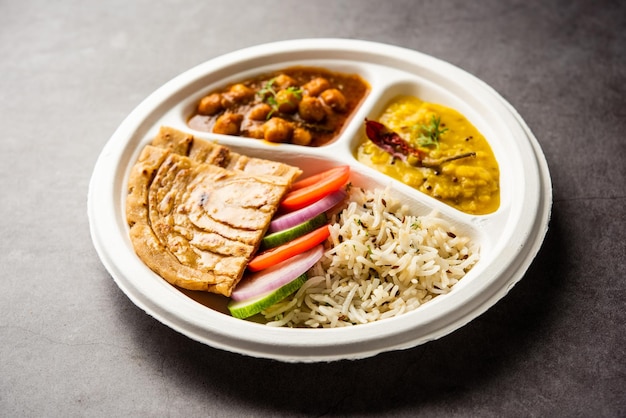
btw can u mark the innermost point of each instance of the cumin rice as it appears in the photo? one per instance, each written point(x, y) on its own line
point(383, 262)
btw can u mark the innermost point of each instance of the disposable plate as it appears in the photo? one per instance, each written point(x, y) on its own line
point(509, 238)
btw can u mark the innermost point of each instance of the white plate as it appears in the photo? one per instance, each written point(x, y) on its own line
point(509, 238)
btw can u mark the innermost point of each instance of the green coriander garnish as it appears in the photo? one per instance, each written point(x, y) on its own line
point(268, 91)
point(297, 91)
point(428, 135)
point(269, 95)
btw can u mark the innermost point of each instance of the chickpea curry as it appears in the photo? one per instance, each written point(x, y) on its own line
point(299, 105)
point(436, 150)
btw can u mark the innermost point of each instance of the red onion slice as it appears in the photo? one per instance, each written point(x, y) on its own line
point(299, 216)
point(274, 277)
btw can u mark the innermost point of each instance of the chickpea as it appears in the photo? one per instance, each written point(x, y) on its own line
point(237, 93)
point(311, 109)
point(210, 105)
point(260, 111)
point(277, 130)
point(256, 131)
point(283, 81)
point(301, 136)
point(241, 92)
point(316, 86)
point(228, 124)
point(334, 99)
point(287, 101)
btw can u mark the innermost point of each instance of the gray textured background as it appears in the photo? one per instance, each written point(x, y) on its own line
point(72, 344)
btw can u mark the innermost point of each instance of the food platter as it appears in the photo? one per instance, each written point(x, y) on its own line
point(509, 238)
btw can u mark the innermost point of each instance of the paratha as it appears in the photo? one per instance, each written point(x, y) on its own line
point(197, 211)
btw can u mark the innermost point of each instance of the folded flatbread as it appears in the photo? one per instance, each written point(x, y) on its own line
point(197, 211)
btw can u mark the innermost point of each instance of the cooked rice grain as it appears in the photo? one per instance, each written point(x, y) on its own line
point(383, 262)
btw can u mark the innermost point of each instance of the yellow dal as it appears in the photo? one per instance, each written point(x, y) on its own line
point(468, 184)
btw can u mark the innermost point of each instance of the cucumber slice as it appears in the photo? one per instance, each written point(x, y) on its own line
point(282, 237)
point(246, 308)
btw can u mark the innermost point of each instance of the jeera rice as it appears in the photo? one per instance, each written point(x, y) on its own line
point(383, 262)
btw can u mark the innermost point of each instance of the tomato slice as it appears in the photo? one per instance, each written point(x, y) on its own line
point(299, 245)
point(313, 188)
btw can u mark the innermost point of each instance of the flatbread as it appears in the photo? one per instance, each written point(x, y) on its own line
point(197, 212)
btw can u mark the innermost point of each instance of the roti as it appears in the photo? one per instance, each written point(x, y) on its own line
point(197, 211)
